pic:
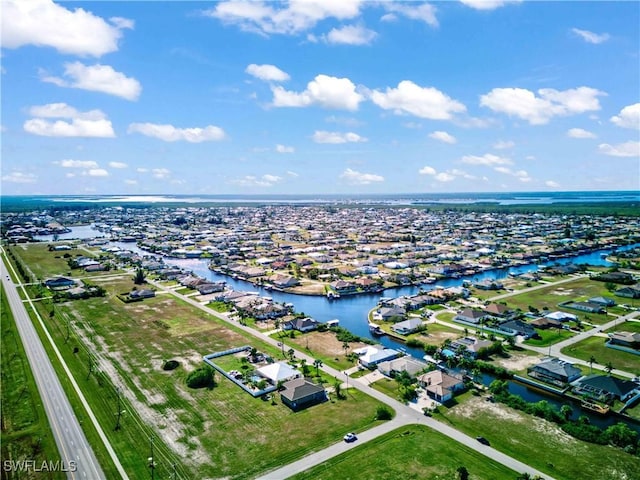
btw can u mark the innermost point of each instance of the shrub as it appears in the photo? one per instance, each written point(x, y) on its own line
point(384, 413)
point(201, 378)
point(170, 365)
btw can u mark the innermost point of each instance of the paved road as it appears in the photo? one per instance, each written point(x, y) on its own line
point(404, 416)
point(72, 444)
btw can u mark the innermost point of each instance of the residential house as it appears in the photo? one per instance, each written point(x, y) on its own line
point(390, 314)
point(585, 307)
point(407, 327)
point(284, 281)
point(625, 339)
point(628, 292)
point(209, 288)
point(371, 355)
point(343, 287)
point(407, 364)
point(497, 310)
point(561, 316)
point(469, 315)
point(278, 372)
point(554, 371)
point(606, 388)
point(59, 283)
point(520, 328)
point(300, 393)
point(441, 386)
point(144, 293)
point(301, 324)
point(605, 302)
point(544, 323)
point(468, 346)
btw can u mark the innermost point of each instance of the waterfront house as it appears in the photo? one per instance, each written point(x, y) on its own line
point(301, 324)
point(606, 388)
point(389, 314)
point(441, 386)
point(300, 393)
point(468, 346)
point(554, 371)
point(284, 281)
point(407, 327)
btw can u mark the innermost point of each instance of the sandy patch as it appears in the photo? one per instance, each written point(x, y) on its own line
point(517, 362)
point(325, 342)
point(479, 406)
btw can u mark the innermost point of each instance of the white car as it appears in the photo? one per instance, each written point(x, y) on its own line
point(350, 437)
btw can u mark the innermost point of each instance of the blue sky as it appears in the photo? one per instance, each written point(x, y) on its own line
point(319, 96)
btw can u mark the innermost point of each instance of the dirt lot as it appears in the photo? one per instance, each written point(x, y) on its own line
point(324, 343)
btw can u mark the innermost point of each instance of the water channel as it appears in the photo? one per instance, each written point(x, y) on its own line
point(352, 310)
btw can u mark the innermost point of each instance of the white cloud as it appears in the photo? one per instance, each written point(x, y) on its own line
point(325, 91)
point(427, 170)
point(423, 102)
point(69, 163)
point(19, 177)
point(591, 37)
point(268, 73)
point(297, 16)
point(629, 117)
point(131, 182)
point(160, 173)
point(350, 35)
point(353, 177)
point(444, 177)
point(424, 12)
point(487, 159)
point(255, 181)
point(487, 4)
point(122, 23)
point(43, 23)
point(503, 144)
point(97, 78)
point(538, 110)
point(322, 136)
point(552, 184)
point(142, 170)
point(284, 149)
point(292, 174)
point(83, 124)
point(443, 137)
point(118, 165)
point(521, 175)
point(96, 172)
point(580, 133)
point(169, 133)
point(627, 149)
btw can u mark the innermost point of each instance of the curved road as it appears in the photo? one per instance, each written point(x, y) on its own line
point(404, 415)
point(76, 455)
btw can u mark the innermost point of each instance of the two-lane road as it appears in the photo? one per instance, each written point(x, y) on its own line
point(76, 455)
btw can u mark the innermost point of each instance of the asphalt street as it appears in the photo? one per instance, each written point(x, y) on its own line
point(76, 455)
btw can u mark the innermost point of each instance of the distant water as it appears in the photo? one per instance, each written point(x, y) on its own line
point(510, 198)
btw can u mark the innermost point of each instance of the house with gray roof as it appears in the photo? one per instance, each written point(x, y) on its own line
point(300, 393)
point(554, 371)
point(606, 388)
point(407, 327)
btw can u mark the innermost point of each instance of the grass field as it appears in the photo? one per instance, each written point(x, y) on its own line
point(411, 452)
point(26, 434)
point(222, 432)
point(549, 337)
point(539, 443)
point(594, 346)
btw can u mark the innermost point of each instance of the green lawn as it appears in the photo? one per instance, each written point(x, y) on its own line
point(223, 432)
point(628, 326)
point(411, 452)
point(594, 346)
point(26, 434)
point(539, 443)
point(549, 337)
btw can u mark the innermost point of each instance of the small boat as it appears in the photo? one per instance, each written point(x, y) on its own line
point(596, 408)
point(375, 329)
point(332, 295)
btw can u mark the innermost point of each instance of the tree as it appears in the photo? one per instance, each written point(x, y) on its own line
point(317, 363)
point(304, 366)
point(592, 359)
point(566, 411)
point(383, 413)
point(337, 387)
point(139, 278)
point(621, 436)
point(463, 473)
point(345, 347)
point(291, 353)
point(608, 368)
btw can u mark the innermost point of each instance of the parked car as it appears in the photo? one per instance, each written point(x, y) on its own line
point(350, 437)
point(483, 441)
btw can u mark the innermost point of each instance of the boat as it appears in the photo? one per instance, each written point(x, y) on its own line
point(332, 295)
point(596, 408)
point(375, 329)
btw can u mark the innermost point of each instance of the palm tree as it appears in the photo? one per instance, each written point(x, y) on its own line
point(317, 363)
point(291, 352)
point(592, 359)
point(608, 368)
point(345, 347)
point(303, 365)
point(566, 411)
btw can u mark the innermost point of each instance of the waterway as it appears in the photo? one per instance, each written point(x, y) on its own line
point(352, 310)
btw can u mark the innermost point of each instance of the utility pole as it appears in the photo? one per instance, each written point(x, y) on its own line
point(151, 460)
point(120, 411)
